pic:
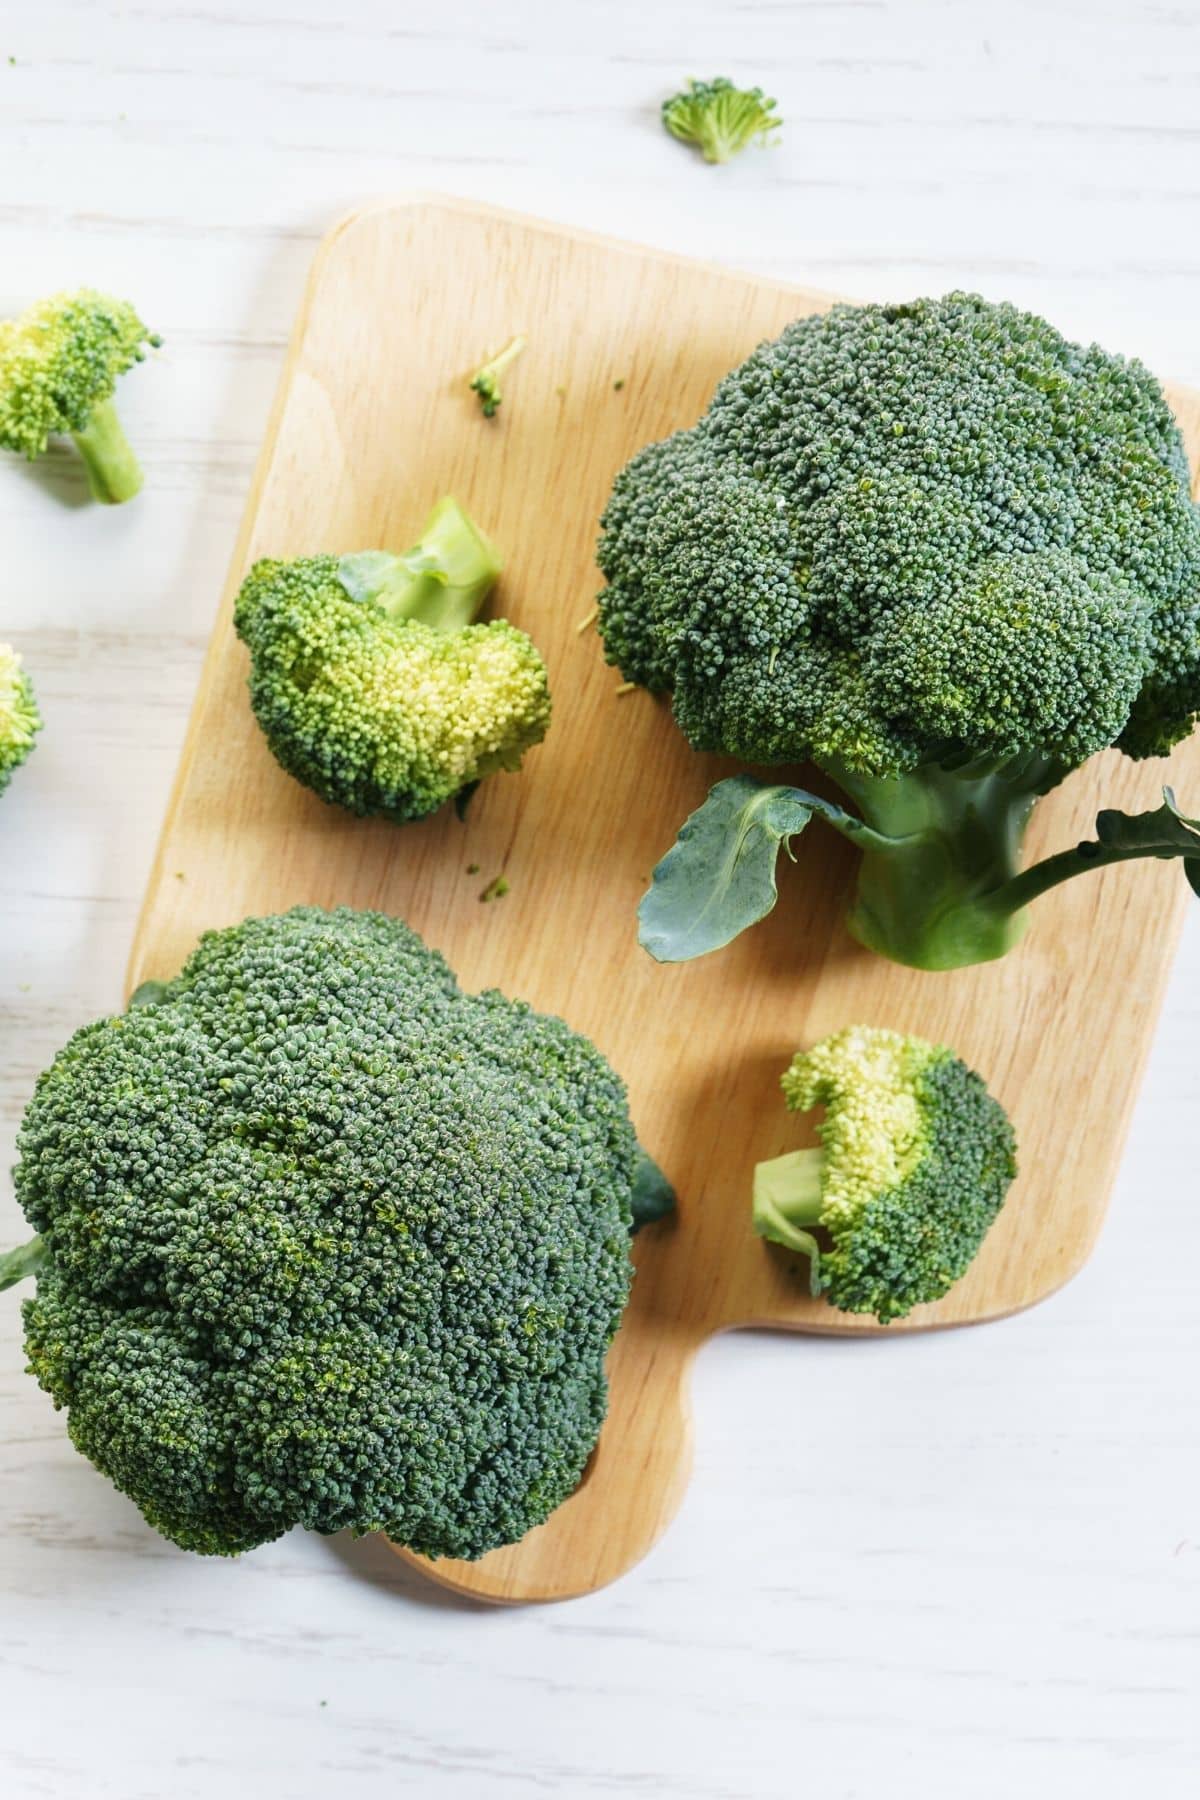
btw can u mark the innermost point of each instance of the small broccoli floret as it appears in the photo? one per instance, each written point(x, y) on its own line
point(59, 365)
point(486, 381)
point(371, 683)
point(915, 1160)
point(325, 1241)
point(719, 118)
point(941, 552)
point(20, 720)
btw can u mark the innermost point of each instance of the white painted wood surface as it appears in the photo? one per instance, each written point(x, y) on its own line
point(955, 1564)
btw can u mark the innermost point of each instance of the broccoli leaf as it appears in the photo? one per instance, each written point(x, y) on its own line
point(1164, 832)
point(17, 1265)
point(719, 875)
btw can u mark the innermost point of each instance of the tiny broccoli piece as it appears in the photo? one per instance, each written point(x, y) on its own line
point(719, 118)
point(486, 380)
point(59, 365)
point(944, 554)
point(371, 682)
point(915, 1160)
point(496, 889)
point(20, 720)
point(326, 1241)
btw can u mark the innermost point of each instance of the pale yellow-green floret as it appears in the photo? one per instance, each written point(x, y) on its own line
point(875, 1131)
point(444, 710)
point(59, 360)
point(914, 1163)
point(385, 714)
point(20, 720)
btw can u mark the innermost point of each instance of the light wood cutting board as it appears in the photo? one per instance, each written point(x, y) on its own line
point(373, 423)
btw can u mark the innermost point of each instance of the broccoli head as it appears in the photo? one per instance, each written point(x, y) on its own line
point(914, 1163)
point(20, 720)
point(719, 118)
point(372, 684)
point(941, 552)
point(325, 1241)
point(59, 365)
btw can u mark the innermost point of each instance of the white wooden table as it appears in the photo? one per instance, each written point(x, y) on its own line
point(964, 1564)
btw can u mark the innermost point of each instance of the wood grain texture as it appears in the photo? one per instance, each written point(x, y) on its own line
point(372, 423)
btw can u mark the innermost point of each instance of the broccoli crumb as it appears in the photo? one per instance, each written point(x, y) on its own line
point(496, 889)
point(720, 119)
point(486, 380)
point(472, 868)
point(618, 384)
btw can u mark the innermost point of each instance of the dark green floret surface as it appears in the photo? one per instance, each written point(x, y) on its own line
point(329, 1243)
point(902, 533)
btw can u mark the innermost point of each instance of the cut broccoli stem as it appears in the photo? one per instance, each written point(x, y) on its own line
point(442, 581)
point(113, 471)
point(954, 838)
point(18, 1265)
point(788, 1198)
point(947, 890)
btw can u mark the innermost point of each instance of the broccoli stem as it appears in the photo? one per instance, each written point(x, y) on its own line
point(17, 1265)
point(788, 1199)
point(113, 471)
point(442, 581)
point(944, 892)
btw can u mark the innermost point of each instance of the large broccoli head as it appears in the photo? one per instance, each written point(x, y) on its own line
point(20, 720)
point(908, 534)
point(59, 365)
point(371, 683)
point(915, 1160)
point(328, 1242)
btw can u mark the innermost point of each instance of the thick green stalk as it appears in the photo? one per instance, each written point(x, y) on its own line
point(442, 581)
point(113, 471)
point(929, 898)
point(788, 1202)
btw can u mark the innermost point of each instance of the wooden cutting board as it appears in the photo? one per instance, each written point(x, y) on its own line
point(372, 424)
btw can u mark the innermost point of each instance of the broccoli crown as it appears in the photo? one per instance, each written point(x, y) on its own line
point(20, 720)
point(916, 1158)
point(719, 118)
point(59, 361)
point(909, 534)
point(383, 714)
point(329, 1243)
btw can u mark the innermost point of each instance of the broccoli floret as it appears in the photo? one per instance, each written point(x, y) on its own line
point(914, 1163)
point(486, 380)
point(371, 683)
point(325, 1241)
point(719, 118)
point(59, 364)
point(947, 556)
point(20, 720)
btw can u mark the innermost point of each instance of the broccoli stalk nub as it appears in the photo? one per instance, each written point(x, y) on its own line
point(113, 471)
point(788, 1200)
point(442, 582)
